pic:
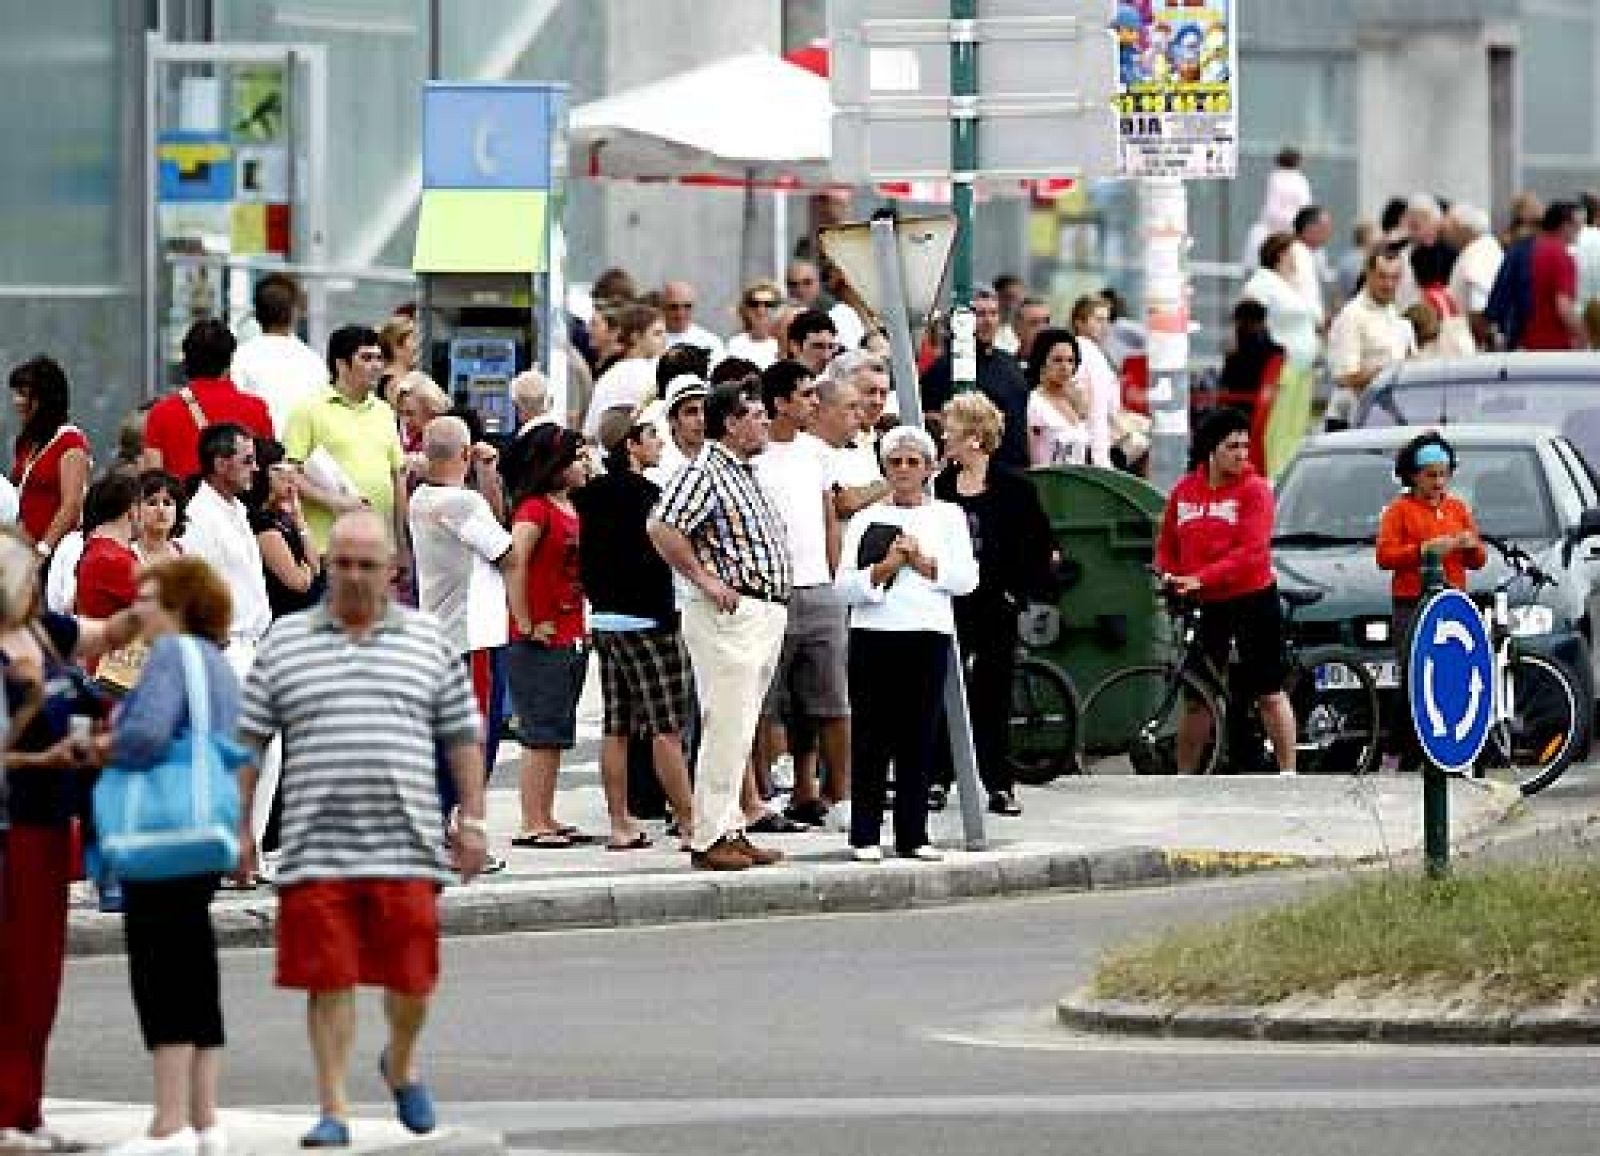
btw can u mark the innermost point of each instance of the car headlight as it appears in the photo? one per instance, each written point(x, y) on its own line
point(1526, 620)
point(1375, 631)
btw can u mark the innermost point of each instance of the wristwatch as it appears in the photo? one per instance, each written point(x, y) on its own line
point(481, 826)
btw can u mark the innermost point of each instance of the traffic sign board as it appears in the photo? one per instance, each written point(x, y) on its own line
point(1044, 104)
point(1450, 680)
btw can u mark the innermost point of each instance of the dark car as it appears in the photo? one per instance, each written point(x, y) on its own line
point(1558, 390)
point(1525, 484)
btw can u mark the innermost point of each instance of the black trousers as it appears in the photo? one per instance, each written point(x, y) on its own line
point(988, 637)
point(172, 961)
point(896, 684)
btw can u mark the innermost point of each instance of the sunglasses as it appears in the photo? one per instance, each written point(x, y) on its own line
point(900, 462)
point(759, 303)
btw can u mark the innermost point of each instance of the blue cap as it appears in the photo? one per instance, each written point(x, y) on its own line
point(1433, 454)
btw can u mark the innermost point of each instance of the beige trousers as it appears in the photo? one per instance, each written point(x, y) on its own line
point(734, 656)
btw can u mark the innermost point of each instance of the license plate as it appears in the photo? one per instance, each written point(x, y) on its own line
point(1337, 676)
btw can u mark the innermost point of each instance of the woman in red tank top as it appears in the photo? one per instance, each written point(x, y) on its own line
point(50, 465)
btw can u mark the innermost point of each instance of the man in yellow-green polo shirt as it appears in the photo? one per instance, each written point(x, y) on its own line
point(347, 442)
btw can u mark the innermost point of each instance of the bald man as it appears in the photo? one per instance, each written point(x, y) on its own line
point(677, 307)
point(365, 852)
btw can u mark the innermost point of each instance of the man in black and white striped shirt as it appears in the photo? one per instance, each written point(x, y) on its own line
point(717, 527)
point(361, 690)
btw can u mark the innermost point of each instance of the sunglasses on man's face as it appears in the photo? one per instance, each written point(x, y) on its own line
point(903, 463)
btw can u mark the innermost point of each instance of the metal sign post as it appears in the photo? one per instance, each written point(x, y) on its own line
point(891, 306)
point(1450, 690)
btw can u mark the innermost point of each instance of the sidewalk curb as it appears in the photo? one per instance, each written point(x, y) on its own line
point(261, 1133)
point(801, 887)
point(1278, 1022)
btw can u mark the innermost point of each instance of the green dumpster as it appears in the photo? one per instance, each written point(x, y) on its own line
point(1105, 521)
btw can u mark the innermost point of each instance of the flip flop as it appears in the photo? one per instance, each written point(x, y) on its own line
point(639, 842)
point(542, 841)
point(576, 836)
point(775, 823)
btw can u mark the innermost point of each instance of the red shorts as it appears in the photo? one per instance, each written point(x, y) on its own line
point(334, 934)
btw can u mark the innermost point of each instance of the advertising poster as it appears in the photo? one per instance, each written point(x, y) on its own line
point(1177, 94)
point(256, 113)
point(193, 166)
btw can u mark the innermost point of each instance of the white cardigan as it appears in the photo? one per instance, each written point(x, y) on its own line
point(910, 601)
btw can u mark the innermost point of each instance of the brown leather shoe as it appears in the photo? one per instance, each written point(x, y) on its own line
point(758, 856)
point(723, 855)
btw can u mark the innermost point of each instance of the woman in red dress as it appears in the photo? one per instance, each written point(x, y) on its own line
point(50, 467)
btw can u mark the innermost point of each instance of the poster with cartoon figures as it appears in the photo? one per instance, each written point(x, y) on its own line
point(1177, 67)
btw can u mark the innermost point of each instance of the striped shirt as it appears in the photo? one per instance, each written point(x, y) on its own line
point(734, 526)
point(360, 719)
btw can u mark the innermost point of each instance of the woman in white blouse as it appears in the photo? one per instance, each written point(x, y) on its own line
point(1291, 318)
point(1293, 322)
point(902, 562)
point(1062, 426)
point(757, 339)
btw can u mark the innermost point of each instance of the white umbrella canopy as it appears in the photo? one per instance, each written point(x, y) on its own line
point(750, 119)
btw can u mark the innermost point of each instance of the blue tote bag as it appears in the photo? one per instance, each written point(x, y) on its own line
point(179, 817)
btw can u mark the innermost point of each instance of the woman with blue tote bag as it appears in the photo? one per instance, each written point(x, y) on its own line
point(172, 951)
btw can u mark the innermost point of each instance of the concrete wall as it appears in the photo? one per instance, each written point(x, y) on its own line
point(1424, 113)
point(659, 231)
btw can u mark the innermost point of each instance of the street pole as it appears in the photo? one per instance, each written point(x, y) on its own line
point(1165, 212)
point(1435, 787)
point(907, 392)
point(963, 176)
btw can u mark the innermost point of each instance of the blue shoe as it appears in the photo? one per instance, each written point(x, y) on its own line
point(108, 893)
point(413, 1105)
point(330, 1132)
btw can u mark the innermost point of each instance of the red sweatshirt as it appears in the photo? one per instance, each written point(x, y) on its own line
point(1221, 535)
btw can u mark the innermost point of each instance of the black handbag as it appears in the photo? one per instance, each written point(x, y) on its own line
point(876, 541)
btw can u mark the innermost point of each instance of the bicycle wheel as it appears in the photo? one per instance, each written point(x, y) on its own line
point(1541, 738)
point(1136, 712)
point(1335, 701)
point(1043, 734)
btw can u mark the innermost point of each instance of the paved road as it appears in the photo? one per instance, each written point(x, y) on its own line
point(914, 1033)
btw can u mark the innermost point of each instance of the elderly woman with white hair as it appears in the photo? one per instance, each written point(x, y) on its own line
point(903, 562)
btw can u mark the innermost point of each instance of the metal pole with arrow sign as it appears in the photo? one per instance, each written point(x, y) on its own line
point(1449, 688)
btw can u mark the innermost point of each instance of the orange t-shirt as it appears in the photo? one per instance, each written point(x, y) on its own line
point(1407, 523)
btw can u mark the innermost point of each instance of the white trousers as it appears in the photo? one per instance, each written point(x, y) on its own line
point(734, 656)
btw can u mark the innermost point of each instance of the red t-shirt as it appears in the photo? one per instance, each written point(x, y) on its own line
point(555, 592)
point(1553, 272)
point(37, 477)
point(107, 578)
point(170, 427)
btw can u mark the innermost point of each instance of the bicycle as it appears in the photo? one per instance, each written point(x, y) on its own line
point(1539, 722)
point(1136, 711)
point(1043, 730)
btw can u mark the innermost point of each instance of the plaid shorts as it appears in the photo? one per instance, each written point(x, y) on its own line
point(644, 680)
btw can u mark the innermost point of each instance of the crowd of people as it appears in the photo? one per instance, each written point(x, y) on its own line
point(1429, 279)
point(740, 539)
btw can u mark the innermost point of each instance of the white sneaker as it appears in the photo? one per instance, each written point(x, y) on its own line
point(867, 854)
point(1290, 773)
point(183, 1142)
point(928, 853)
point(213, 1141)
point(267, 867)
point(839, 817)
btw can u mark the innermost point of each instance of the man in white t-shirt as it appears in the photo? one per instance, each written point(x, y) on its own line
point(276, 365)
point(1369, 335)
point(1091, 319)
point(677, 306)
point(218, 530)
point(459, 549)
point(857, 479)
point(809, 693)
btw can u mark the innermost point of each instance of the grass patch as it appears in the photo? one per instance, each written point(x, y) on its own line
point(1516, 936)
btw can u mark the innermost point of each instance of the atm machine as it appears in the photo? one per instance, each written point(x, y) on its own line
point(489, 242)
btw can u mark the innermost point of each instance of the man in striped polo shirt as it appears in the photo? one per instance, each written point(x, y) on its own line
point(717, 527)
point(361, 690)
